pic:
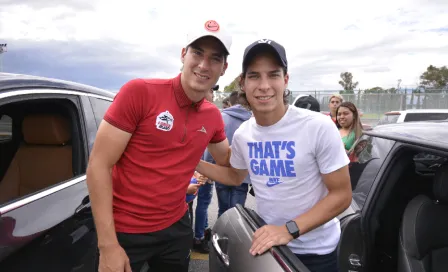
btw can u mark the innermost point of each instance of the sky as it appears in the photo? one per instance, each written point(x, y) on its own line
point(106, 43)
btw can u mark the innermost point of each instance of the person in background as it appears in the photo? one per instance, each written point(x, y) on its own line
point(296, 162)
point(204, 198)
point(307, 102)
point(234, 116)
point(335, 101)
point(192, 191)
point(225, 103)
point(349, 124)
point(146, 150)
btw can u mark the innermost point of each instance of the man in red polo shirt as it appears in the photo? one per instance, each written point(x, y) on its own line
point(146, 150)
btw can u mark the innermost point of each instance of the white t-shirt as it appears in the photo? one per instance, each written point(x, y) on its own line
point(285, 162)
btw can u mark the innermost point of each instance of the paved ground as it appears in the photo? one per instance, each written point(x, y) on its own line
point(199, 262)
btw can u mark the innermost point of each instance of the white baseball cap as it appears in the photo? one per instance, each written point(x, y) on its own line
point(210, 28)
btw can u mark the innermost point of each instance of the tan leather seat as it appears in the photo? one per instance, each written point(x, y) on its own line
point(43, 159)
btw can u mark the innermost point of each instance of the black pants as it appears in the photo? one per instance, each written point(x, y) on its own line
point(167, 250)
point(320, 263)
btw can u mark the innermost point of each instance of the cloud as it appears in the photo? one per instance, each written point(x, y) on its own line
point(101, 63)
point(105, 43)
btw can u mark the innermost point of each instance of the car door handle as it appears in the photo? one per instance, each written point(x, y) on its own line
point(84, 204)
point(223, 256)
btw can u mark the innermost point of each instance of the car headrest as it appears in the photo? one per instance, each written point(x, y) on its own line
point(441, 184)
point(46, 129)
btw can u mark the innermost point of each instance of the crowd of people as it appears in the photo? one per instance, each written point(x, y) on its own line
point(163, 143)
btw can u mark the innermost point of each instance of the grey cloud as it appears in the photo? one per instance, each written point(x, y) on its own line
point(104, 64)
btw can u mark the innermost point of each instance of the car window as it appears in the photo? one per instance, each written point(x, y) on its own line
point(57, 154)
point(388, 119)
point(5, 128)
point(100, 107)
point(425, 116)
point(427, 164)
point(365, 162)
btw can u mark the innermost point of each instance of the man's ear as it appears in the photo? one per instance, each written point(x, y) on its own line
point(182, 54)
point(286, 80)
point(242, 83)
point(224, 68)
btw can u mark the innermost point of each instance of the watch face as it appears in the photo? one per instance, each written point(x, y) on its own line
point(292, 227)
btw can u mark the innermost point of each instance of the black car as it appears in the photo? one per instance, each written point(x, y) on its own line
point(47, 129)
point(398, 220)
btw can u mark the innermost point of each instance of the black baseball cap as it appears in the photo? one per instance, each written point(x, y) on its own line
point(307, 102)
point(261, 46)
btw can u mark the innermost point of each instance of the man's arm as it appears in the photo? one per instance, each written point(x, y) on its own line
point(120, 121)
point(338, 199)
point(109, 145)
point(225, 175)
point(220, 153)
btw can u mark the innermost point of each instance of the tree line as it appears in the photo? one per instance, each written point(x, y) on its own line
point(434, 79)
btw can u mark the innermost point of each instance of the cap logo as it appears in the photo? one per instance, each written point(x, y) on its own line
point(265, 41)
point(212, 26)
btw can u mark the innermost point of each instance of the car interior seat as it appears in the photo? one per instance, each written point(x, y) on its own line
point(423, 237)
point(44, 158)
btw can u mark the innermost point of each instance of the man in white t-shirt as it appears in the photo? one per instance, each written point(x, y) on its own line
point(296, 161)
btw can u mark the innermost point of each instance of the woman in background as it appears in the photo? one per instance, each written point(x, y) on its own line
point(349, 124)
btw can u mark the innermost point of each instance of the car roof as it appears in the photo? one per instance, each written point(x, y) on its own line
point(425, 133)
point(10, 82)
point(418, 111)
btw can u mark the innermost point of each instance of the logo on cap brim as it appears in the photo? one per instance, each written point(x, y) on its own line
point(211, 25)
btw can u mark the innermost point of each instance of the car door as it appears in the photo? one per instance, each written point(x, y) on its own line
point(231, 240)
point(366, 161)
point(50, 229)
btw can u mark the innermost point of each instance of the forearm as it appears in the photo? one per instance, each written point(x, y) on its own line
point(99, 182)
point(325, 210)
point(221, 174)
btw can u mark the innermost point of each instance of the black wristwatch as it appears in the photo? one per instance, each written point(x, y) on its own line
point(293, 229)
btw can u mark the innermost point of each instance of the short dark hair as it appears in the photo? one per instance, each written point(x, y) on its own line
point(307, 102)
point(233, 98)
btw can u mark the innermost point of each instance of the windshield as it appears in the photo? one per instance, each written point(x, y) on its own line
point(388, 119)
point(366, 159)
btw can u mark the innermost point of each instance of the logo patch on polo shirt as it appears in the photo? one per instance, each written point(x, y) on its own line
point(165, 121)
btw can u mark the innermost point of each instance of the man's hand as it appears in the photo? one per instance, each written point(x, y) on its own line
point(201, 178)
point(113, 258)
point(269, 236)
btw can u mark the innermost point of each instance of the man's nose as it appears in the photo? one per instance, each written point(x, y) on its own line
point(264, 84)
point(204, 64)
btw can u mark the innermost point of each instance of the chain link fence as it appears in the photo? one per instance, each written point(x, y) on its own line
point(373, 105)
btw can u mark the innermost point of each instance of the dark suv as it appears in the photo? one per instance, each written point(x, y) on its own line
point(47, 129)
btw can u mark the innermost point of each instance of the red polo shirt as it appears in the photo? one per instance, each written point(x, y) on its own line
point(169, 135)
